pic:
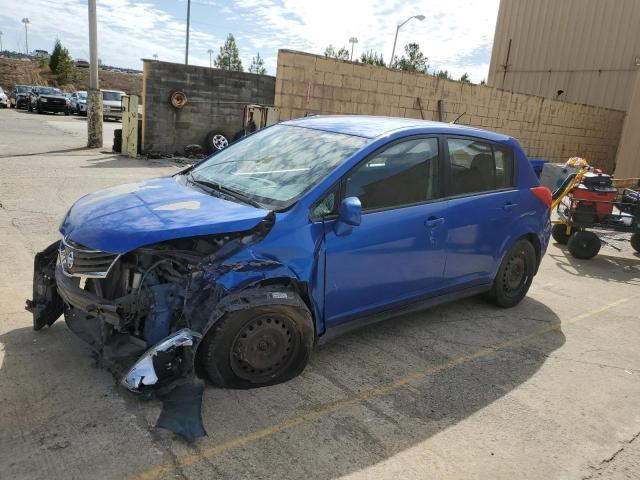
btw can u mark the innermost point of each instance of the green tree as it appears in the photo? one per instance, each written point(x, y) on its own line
point(465, 78)
point(54, 59)
point(229, 56)
point(483, 82)
point(413, 60)
point(443, 74)
point(372, 58)
point(342, 54)
point(257, 65)
point(330, 52)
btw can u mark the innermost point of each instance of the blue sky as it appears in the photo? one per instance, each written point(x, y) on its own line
point(456, 34)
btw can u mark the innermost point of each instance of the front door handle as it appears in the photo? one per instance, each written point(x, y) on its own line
point(433, 222)
point(509, 206)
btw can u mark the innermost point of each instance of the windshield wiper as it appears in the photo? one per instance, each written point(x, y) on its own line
point(226, 190)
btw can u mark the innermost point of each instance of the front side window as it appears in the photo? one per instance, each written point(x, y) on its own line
point(111, 96)
point(276, 165)
point(403, 174)
point(475, 169)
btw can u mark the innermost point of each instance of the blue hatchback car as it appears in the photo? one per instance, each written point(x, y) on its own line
point(299, 231)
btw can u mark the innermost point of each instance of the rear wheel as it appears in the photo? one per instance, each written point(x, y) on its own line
point(514, 276)
point(559, 233)
point(257, 347)
point(635, 242)
point(584, 245)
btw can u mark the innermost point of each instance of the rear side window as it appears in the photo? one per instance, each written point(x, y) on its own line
point(478, 166)
point(403, 174)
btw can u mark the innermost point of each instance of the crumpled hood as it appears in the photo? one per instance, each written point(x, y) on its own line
point(123, 218)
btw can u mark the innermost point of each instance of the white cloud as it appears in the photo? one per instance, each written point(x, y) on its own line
point(456, 35)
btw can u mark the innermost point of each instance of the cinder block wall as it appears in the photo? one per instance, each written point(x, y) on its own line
point(215, 101)
point(554, 130)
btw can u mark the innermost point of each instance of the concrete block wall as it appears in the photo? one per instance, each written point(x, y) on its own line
point(215, 101)
point(309, 84)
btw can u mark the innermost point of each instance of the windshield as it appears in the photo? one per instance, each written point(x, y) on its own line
point(82, 95)
point(276, 165)
point(112, 96)
point(21, 89)
point(48, 91)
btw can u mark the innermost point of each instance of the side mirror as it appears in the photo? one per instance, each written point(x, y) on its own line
point(349, 216)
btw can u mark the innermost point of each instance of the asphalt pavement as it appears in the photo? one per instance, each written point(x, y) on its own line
point(549, 389)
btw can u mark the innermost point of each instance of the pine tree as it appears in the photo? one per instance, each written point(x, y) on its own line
point(257, 65)
point(372, 58)
point(54, 59)
point(229, 57)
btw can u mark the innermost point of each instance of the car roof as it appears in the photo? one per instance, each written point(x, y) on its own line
point(371, 127)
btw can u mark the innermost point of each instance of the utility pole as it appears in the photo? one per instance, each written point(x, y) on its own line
point(352, 41)
point(186, 53)
point(94, 98)
point(26, 22)
point(210, 52)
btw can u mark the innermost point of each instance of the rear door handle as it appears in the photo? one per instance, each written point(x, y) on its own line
point(433, 222)
point(509, 206)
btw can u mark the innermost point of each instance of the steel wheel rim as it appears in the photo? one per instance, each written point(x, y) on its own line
point(264, 348)
point(515, 274)
point(219, 141)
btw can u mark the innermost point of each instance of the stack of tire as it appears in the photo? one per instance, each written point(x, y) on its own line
point(117, 140)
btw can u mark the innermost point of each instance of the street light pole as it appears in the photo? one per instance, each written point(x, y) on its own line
point(186, 53)
point(94, 98)
point(395, 40)
point(210, 52)
point(26, 22)
point(352, 41)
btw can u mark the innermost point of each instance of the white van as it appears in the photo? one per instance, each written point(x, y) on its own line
point(112, 104)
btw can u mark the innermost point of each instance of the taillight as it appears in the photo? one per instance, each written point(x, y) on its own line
point(543, 194)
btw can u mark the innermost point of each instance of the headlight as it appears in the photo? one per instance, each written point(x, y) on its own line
point(43, 100)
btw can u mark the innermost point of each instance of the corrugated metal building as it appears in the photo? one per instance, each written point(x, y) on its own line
point(588, 49)
point(583, 51)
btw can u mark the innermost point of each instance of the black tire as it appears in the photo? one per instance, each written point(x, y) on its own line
point(635, 242)
point(584, 245)
point(30, 108)
point(514, 276)
point(117, 133)
point(258, 347)
point(559, 233)
point(66, 112)
point(216, 141)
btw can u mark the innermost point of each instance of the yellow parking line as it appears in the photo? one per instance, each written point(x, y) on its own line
point(378, 391)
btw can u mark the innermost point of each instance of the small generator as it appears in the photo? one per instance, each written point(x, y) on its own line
point(593, 198)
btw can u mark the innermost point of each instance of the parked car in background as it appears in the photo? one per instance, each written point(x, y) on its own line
point(48, 99)
point(4, 99)
point(290, 235)
point(81, 63)
point(112, 104)
point(78, 103)
point(19, 97)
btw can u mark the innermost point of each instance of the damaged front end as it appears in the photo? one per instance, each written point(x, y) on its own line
point(143, 312)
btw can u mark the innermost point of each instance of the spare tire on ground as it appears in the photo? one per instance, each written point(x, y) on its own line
point(216, 141)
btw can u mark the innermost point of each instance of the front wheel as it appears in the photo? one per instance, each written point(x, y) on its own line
point(584, 245)
point(559, 233)
point(514, 276)
point(635, 242)
point(257, 347)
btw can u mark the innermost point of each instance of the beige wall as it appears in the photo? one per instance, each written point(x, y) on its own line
point(587, 48)
point(553, 130)
point(628, 165)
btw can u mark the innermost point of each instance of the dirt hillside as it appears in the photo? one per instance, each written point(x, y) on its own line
point(21, 72)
